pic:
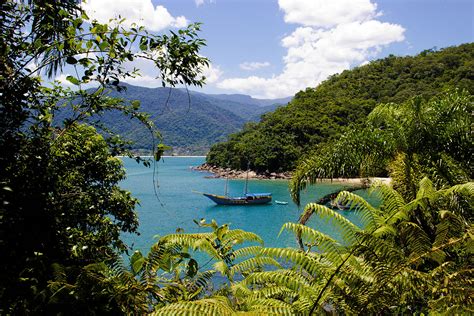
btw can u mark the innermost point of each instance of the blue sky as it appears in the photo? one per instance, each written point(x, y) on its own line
point(274, 48)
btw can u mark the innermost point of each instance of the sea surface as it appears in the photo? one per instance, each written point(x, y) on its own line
point(176, 203)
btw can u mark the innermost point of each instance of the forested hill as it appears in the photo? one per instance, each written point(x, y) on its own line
point(343, 100)
point(189, 122)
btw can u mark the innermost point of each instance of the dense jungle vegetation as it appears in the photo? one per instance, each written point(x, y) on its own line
point(342, 103)
point(62, 210)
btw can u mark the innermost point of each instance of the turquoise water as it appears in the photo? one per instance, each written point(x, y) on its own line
point(177, 206)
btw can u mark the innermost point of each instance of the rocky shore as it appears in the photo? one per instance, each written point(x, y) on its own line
point(219, 172)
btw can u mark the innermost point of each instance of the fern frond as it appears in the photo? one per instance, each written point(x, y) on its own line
point(270, 306)
point(273, 292)
point(253, 263)
point(200, 241)
point(290, 279)
point(202, 279)
point(247, 251)
point(393, 204)
point(347, 228)
point(417, 240)
point(210, 306)
point(240, 290)
point(301, 259)
point(368, 214)
point(268, 310)
point(238, 236)
point(464, 189)
point(322, 241)
point(426, 189)
point(186, 240)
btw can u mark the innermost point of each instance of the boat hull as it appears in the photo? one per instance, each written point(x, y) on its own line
point(249, 199)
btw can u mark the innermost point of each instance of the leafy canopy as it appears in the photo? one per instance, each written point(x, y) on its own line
point(61, 205)
point(341, 104)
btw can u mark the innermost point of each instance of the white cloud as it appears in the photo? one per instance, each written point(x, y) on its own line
point(327, 13)
point(212, 73)
point(323, 46)
point(254, 65)
point(201, 2)
point(141, 12)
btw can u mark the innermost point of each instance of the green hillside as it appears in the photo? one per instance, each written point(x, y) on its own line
point(189, 122)
point(341, 102)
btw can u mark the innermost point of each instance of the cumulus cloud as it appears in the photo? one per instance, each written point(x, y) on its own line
point(212, 73)
point(254, 65)
point(334, 36)
point(324, 13)
point(141, 12)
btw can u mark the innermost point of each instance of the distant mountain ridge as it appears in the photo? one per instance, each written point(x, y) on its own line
point(246, 99)
point(190, 123)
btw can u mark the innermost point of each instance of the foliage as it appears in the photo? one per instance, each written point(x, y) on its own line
point(167, 278)
point(341, 104)
point(407, 259)
point(411, 140)
point(60, 201)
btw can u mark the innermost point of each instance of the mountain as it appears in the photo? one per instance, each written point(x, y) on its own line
point(246, 99)
point(190, 122)
point(342, 102)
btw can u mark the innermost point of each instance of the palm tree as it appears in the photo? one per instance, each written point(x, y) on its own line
point(415, 139)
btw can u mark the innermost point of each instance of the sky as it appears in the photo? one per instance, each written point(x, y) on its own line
point(275, 48)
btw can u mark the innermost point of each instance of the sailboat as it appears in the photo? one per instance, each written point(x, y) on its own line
point(246, 199)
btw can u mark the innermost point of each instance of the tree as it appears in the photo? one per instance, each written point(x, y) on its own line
point(409, 141)
point(61, 204)
point(320, 115)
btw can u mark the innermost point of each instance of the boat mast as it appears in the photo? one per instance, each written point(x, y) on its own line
point(226, 186)
point(247, 179)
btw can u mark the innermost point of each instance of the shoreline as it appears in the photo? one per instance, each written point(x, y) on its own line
point(218, 172)
point(150, 156)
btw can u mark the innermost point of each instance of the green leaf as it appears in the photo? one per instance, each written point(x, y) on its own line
point(73, 80)
point(136, 261)
point(71, 60)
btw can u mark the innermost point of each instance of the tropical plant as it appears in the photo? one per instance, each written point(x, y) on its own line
point(407, 257)
point(410, 140)
point(232, 263)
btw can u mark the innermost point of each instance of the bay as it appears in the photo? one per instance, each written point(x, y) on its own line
point(175, 205)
